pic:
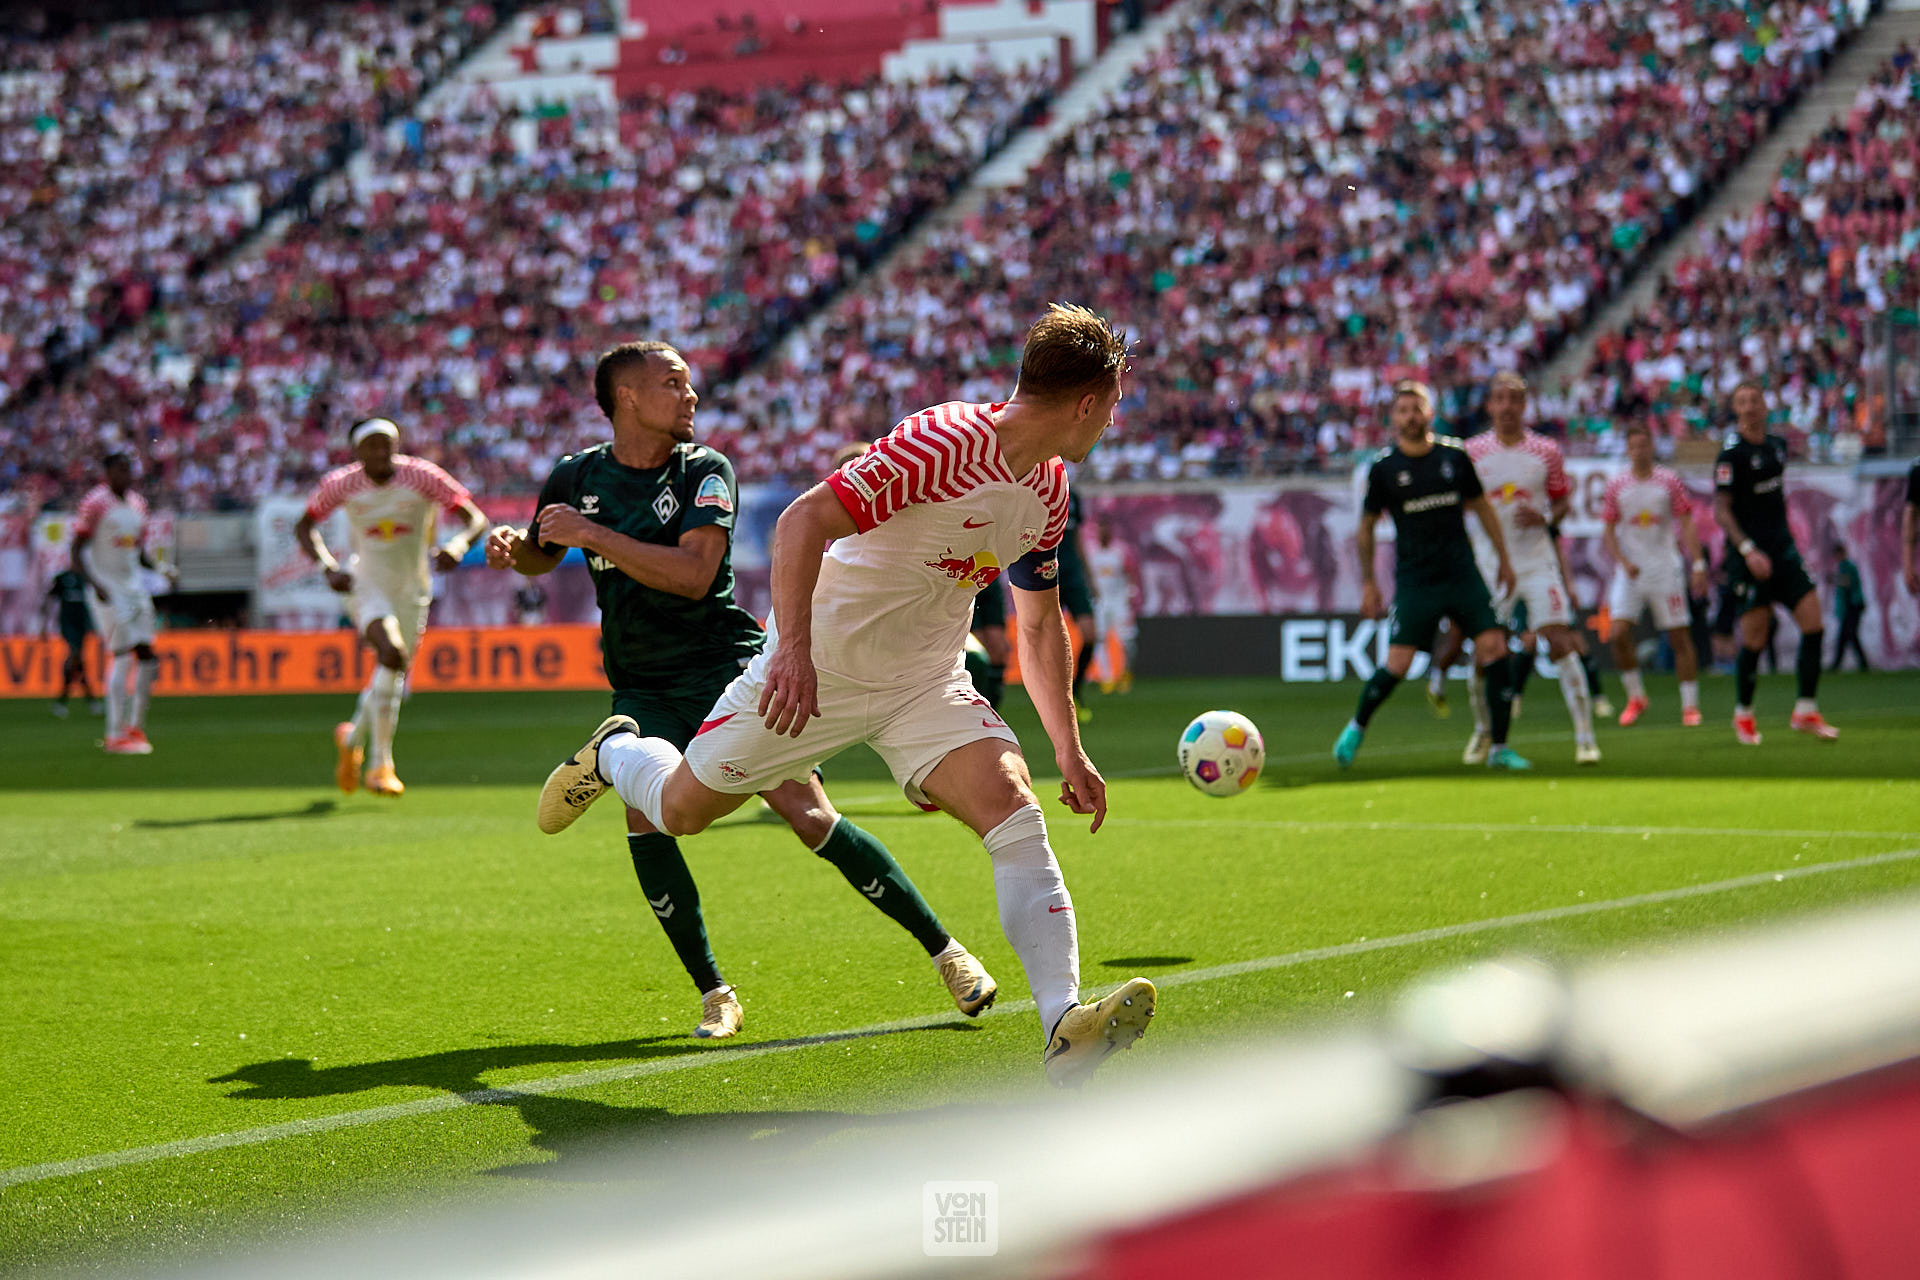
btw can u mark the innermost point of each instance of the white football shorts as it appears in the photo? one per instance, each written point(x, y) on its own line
point(125, 619)
point(372, 601)
point(911, 729)
point(1662, 591)
point(1544, 594)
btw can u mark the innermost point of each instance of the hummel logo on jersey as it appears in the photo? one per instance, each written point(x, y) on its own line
point(590, 505)
point(975, 524)
point(662, 906)
point(666, 505)
point(874, 890)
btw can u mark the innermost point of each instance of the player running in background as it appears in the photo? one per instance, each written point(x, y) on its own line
point(1750, 505)
point(1643, 509)
point(1428, 484)
point(655, 514)
point(392, 501)
point(864, 645)
point(1849, 606)
point(1110, 565)
point(1910, 531)
point(66, 604)
point(1077, 600)
point(110, 549)
point(1526, 484)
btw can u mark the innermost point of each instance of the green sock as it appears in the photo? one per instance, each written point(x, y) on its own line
point(868, 867)
point(989, 677)
point(1381, 683)
point(675, 900)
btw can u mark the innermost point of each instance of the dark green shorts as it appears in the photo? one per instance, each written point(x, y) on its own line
point(675, 711)
point(1787, 587)
point(1418, 608)
point(1076, 595)
point(989, 607)
point(75, 636)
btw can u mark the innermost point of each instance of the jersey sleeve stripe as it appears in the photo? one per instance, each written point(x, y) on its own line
point(92, 507)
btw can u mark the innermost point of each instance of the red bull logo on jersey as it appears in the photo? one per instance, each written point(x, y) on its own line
point(1645, 519)
point(388, 530)
point(126, 540)
point(1510, 492)
point(976, 572)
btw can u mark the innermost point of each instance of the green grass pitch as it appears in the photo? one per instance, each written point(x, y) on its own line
point(213, 941)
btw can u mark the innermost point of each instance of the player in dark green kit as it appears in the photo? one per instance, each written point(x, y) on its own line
point(1428, 484)
point(1076, 601)
point(654, 512)
point(1765, 569)
point(67, 600)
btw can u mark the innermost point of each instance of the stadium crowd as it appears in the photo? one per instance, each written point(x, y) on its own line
point(1791, 292)
point(465, 274)
point(131, 151)
point(1290, 213)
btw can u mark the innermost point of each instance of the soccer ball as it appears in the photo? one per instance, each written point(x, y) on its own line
point(1221, 753)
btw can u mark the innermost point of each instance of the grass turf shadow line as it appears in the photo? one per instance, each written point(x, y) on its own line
point(1145, 962)
point(315, 809)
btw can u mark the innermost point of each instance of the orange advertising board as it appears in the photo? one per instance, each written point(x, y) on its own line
point(199, 663)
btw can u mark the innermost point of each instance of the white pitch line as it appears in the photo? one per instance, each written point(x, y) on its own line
point(1554, 828)
point(721, 1056)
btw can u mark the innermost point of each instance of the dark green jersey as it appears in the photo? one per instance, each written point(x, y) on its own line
point(652, 637)
point(1848, 595)
point(1755, 475)
point(70, 589)
point(1428, 498)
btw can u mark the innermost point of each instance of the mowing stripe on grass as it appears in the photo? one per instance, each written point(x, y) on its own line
point(1555, 828)
point(722, 1055)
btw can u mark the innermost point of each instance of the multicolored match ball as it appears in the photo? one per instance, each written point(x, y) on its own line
point(1221, 753)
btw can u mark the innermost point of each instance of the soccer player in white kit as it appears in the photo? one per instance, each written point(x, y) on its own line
point(392, 501)
point(868, 638)
point(110, 548)
point(1108, 565)
point(1526, 482)
point(1644, 507)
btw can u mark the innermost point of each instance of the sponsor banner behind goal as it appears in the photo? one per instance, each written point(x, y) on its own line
point(485, 659)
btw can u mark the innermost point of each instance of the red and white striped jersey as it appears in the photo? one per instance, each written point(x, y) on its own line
point(1531, 474)
point(939, 517)
point(390, 526)
point(1642, 513)
point(119, 529)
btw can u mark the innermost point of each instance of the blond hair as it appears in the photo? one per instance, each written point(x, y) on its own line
point(1070, 351)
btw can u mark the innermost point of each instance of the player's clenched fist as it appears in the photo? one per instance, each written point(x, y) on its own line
point(501, 540)
point(562, 526)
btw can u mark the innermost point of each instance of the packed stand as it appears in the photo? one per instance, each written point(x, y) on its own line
point(1289, 213)
point(465, 278)
point(131, 151)
point(1791, 293)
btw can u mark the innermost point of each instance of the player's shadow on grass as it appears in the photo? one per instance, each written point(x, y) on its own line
point(572, 1128)
point(317, 809)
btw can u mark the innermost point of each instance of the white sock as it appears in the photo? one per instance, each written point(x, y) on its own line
point(384, 705)
point(1636, 684)
point(1690, 694)
point(1573, 684)
point(1477, 699)
point(363, 710)
point(1805, 707)
point(119, 671)
point(1437, 679)
point(1036, 913)
point(144, 673)
point(637, 769)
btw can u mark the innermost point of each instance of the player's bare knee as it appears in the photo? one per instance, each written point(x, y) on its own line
point(637, 824)
point(1400, 660)
point(804, 807)
point(1489, 647)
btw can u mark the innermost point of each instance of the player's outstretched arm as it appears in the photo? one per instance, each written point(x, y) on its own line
point(1910, 546)
point(792, 692)
point(1046, 668)
point(1696, 556)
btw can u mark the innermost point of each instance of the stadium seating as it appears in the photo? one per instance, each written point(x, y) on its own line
point(130, 152)
point(465, 276)
point(1789, 292)
point(1289, 214)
